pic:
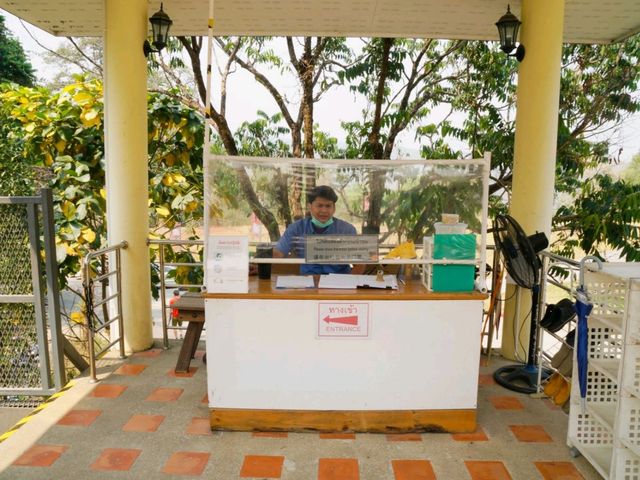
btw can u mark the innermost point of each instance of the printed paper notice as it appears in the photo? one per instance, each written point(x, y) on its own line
point(228, 264)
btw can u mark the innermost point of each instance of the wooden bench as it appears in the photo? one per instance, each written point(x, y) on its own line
point(190, 309)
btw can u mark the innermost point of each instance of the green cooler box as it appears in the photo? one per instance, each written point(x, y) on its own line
point(453, 278)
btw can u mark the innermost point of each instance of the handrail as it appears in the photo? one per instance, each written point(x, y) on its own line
point(165, 306)
point(91, 305)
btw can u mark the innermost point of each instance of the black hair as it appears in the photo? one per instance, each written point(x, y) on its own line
point(322, 191)
point(176, 292)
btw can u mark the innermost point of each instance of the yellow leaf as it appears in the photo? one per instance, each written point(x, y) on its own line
point(77, 317)
point(167, 180)
point(30, 127)
point(88, 234)
point(178, 178)
point(191, 206)
point(170, 159)
point(60, 145)
point(68, 209)
point(83, 98)
point(48, 159)
point(163, 211)
point(103, 193)
point(72, 251)
point(90, 119)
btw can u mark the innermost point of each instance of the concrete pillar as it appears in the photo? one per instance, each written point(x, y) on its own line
point(125, 87)
point(538, 97)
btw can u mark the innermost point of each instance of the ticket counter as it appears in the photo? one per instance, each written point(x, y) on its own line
point(364, 360)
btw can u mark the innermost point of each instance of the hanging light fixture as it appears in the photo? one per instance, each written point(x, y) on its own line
point(508, 27)
point(160, 25)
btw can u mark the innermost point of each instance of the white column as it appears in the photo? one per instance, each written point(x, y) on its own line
point(125, 87)
point(538, 97)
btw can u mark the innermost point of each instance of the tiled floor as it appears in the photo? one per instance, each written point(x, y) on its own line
point(145, 422)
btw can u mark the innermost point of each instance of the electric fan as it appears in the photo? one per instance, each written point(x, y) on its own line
point(520, 255)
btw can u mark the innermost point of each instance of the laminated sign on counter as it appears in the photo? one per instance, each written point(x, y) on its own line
point(227, 264)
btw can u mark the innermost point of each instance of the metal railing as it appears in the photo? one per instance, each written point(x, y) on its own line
point(99, 338)
point(164, 285)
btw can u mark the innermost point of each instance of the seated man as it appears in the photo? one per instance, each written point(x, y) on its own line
point(322, 205)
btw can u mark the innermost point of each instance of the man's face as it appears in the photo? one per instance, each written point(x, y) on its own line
point(322, 209)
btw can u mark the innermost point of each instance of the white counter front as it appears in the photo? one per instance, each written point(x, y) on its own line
point(343, 351)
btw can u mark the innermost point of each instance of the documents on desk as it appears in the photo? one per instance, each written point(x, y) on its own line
point(295, 281)
point(347, 281)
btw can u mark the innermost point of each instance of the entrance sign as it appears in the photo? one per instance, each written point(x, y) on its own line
point(228, 264)
point(341, 248)
point(343, 319)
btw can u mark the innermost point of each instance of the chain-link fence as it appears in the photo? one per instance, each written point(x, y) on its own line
point(31, 362)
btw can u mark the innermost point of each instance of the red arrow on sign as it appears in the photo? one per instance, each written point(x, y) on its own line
point(352, 320)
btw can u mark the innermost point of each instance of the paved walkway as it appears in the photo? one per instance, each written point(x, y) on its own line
point(145, 422)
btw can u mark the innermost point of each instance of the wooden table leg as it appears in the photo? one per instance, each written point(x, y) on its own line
point(189, 346)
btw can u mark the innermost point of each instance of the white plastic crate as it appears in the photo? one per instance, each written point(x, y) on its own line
point(626, 465)
point(629, 422)
point(600, 388)
point(606, 292)
point(613, 391)
point(605, 343)
point(631, 369)
point(586, 430)
point(633, 311)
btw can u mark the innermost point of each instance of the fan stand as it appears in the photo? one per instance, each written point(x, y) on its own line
point(524, 378)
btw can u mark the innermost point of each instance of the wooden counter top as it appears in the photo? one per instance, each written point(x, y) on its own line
point(412, 290)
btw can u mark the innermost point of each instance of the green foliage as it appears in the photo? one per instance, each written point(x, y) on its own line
point(605, 214)
point(63, 132)
point(14, 64)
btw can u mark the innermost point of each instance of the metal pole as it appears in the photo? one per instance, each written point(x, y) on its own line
point(53, 290)
point(163, 300)
point(88, 293)
point(123, 245)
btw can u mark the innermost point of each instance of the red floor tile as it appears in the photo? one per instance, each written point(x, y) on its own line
point(486, 379)
point(337, 436)
point(143, 423)
point(338, 469)
point(80, 418)
point(270, 434)
point(130, 369)
point(154, 352)
point(108, 391)
point(40, 456)
point(261, 466)
point(477, 436)
point(199, 426)
point(530, 433)
point(486, 470)
point(188, 374)
point(506, 403)
point(404, 437)
point(164, 395)
point(558, 471)
point(186, 463)
point(120, 459)
point(412, 470)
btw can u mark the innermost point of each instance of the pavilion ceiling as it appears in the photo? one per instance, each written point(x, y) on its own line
point(586, 21)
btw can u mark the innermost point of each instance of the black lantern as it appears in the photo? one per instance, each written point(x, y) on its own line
point(160, 24)
point(508, 27)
